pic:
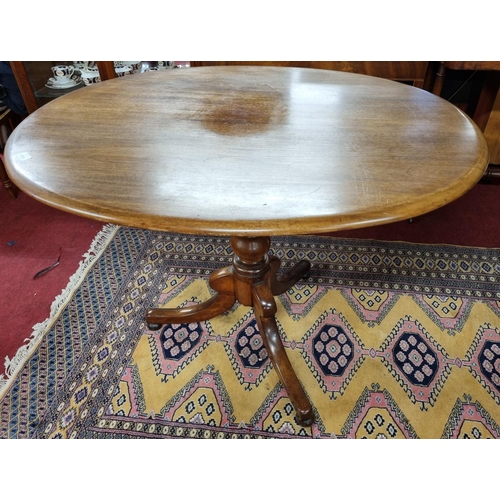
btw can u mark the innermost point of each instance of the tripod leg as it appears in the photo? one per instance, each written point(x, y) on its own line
point(221, 281)
point(285, 281)
point(265, 309)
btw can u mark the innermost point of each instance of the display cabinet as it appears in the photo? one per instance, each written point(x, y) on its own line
point(32, 77)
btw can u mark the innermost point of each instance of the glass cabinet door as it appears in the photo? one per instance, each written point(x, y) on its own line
point(42, 81)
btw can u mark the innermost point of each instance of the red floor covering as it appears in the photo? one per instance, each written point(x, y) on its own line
point(31, 235)
point(472, 220)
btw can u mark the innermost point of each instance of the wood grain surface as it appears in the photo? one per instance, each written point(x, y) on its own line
point(247, 151)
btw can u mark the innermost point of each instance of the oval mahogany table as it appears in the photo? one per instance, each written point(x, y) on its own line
point(247, 152)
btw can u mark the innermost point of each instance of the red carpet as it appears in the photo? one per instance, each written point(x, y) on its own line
point(472, 220)
point(31, 235)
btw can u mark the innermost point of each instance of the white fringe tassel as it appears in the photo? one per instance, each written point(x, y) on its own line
point(12, 366)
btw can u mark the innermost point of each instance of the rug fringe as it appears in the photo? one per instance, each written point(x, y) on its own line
point(98, 245)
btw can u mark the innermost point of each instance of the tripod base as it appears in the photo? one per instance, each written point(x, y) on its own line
point(252, 281)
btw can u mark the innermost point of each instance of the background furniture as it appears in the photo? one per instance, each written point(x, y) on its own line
point(32, 77)
point(9, 119)
point(486, 113)
point(4, 179)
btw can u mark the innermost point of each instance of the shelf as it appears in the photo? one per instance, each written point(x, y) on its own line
point(46, 93)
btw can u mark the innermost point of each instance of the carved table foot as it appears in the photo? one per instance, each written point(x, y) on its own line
point(252, 281)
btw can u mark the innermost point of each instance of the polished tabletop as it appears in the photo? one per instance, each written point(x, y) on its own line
point(247, 151)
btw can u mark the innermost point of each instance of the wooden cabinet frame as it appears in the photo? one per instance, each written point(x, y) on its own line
point(106, 71)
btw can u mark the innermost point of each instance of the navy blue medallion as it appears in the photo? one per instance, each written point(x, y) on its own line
point(332, 350)
point(177, 341)
point(489, 362)
point(250, 347)
point(413, 356)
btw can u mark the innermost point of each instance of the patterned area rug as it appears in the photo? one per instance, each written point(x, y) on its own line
point(390, 340)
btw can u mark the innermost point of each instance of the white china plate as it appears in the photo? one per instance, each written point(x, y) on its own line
point(68, 85)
